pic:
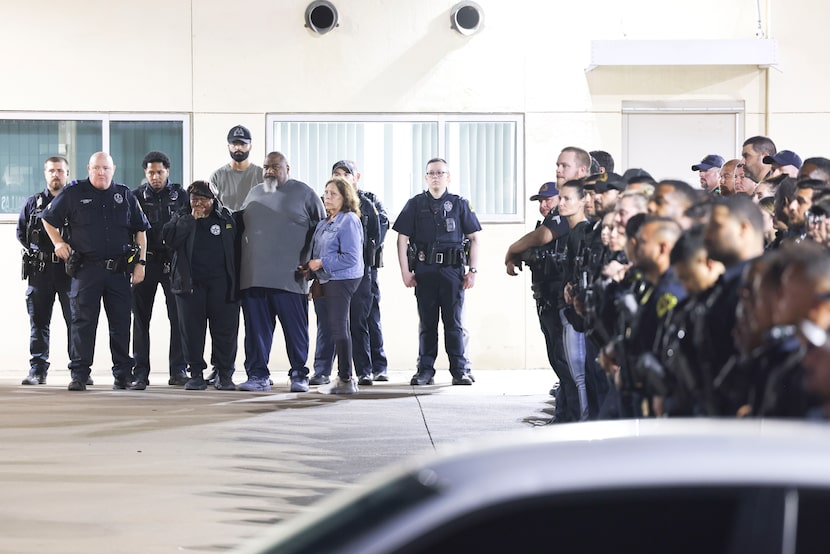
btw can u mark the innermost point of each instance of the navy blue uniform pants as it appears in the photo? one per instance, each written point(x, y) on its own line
point(207, 307)
point(90, 286)
point(439, 293)
point(40, 299)
point(359, 307)
point(144, 296)
point(378, 355)
point(261, 308)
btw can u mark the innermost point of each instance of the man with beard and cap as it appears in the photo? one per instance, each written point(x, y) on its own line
point(277, 222)
point(785, 162)
point(232, 182)
point(753, 152)
point(709, 171)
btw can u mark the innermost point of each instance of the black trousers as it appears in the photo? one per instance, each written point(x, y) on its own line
point(207, 307)
point(439, 293)
point(40, 299)
point(90, 286)
point(144, 296)
point(378, 355)
point(339, 296)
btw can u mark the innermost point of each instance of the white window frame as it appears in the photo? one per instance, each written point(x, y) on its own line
point(105, 118)
point(441, 119)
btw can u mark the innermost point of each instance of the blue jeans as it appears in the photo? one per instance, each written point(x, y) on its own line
point(574, 342)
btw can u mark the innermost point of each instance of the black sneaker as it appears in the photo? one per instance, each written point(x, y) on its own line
point(211, 378)
point(76, 385)
point(319, 379)
point(365, 380)
point(423, 377)
point(122, 383)
point(139, 384)
point(380, 376)
point(178, 379)
point(463, 379)
point(89, 381)
point(34, 378)
point(196, 382)
point(224, 383)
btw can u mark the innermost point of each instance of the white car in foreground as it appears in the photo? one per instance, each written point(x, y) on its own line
point(639, 486)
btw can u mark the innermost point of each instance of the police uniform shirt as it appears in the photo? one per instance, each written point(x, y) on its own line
point(158, 207)
point(36, 206)
point(656, 304)
point(557, 224)
point(443, 221)
point(101, 222)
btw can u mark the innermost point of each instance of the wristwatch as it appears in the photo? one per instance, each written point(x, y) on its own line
point(473, 270)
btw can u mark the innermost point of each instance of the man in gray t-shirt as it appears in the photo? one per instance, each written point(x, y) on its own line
point(278, 219)
point(232, 182)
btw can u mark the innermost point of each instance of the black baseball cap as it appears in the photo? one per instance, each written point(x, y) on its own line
point(239, 133)
point(346, 166)
point(710, 161)
point(548, 190)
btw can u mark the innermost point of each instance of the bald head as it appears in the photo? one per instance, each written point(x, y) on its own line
point(101, 170)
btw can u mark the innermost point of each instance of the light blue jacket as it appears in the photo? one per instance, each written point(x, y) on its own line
point(339, 244)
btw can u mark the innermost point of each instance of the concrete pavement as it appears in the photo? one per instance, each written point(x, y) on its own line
point(169, 470)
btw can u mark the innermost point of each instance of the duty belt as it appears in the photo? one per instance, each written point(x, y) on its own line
point(47, 257)
point(113, 264)
point(441, 256)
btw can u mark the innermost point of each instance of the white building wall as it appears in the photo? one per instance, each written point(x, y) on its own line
point(227, 63)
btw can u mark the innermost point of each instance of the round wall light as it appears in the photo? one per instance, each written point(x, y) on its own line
point(321, 16)
point(467, 18)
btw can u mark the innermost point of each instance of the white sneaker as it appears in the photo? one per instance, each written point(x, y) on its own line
point(339, 387)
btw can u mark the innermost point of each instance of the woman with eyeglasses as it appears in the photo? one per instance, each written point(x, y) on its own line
point(337, 265)
point(203, 278)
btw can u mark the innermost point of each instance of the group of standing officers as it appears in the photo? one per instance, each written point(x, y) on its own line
point(252, 238)
point(656, 298)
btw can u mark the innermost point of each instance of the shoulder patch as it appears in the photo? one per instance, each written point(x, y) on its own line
point(665, 304)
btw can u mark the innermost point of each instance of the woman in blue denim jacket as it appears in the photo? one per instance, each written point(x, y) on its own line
point(337, 264)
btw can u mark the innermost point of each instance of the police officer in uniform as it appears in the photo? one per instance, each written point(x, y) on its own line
point(105, 221)
point(547, 283)
point(379, 361)
point(45, 271)
point(431, 230)
point(159, 198)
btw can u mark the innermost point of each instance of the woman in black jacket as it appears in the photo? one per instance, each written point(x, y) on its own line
point(204, 280)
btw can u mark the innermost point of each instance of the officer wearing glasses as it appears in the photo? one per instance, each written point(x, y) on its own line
point(432, 228)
